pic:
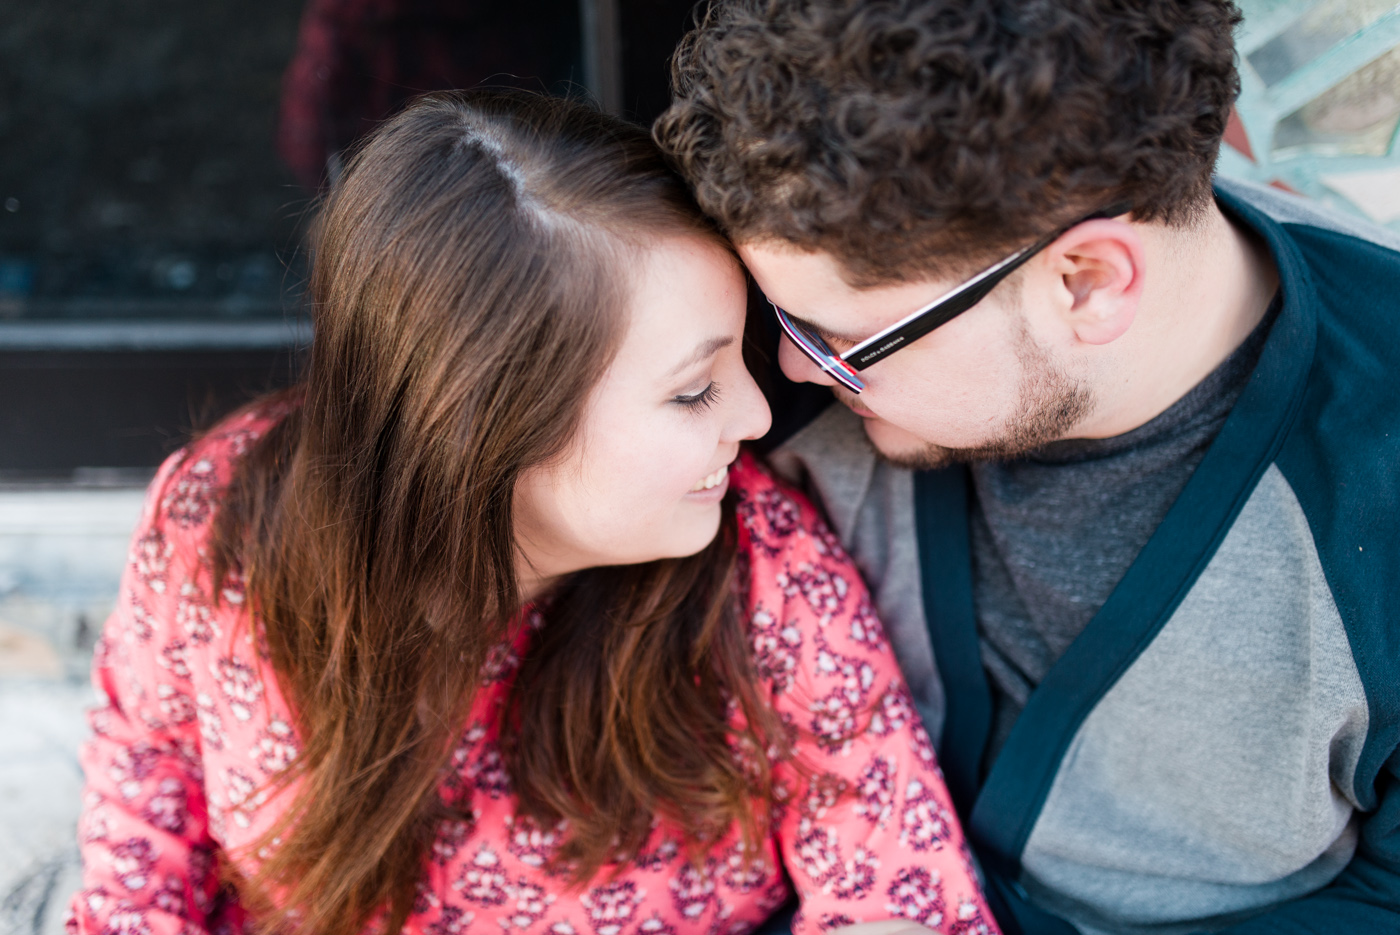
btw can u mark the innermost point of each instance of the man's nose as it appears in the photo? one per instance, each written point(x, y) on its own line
point(800, 368)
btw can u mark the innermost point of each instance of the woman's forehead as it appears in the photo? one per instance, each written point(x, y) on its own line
point(687, 302)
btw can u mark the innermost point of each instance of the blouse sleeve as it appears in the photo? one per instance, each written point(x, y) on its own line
point(867, 830)
point(147, 853)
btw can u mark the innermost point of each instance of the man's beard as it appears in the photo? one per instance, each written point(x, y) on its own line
point(1051, 404)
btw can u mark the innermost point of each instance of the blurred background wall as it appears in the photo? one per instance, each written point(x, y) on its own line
point(1319, 106)
point(156, 164)
point(143, 210)
point(158, 161)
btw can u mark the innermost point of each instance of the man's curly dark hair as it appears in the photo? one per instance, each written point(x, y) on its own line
point(913, 137)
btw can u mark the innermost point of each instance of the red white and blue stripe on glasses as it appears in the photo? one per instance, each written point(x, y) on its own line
point(818, 352)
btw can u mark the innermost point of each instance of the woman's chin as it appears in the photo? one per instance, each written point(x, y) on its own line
point(693, 530)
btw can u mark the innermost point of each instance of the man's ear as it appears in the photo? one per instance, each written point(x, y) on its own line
point(1100, 265)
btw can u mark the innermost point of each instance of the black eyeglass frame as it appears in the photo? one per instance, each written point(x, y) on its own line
point(844, 367)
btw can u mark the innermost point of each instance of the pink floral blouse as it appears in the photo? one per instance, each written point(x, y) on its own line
point(194, 727)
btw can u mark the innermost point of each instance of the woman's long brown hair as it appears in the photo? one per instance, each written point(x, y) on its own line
point(469, 291)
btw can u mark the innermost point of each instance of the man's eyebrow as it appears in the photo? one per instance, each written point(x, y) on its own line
point(703, 350)
point(824, 334)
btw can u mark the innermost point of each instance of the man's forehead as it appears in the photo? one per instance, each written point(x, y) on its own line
point(792, 271)
point(810, 285)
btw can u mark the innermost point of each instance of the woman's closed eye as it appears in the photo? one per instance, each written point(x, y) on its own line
point(699, 401)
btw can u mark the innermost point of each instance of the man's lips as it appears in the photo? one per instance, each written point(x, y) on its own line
point(850, 403)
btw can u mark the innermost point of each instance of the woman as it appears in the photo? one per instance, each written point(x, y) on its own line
point(449, 637)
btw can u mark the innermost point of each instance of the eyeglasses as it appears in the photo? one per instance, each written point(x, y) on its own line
point(844, 368)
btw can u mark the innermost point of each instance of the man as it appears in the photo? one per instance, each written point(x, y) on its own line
point(1133, 523)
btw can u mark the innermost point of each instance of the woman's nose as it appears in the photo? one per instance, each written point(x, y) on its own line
point(751, 417)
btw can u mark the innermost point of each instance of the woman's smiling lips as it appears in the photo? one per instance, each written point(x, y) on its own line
point(712, 486)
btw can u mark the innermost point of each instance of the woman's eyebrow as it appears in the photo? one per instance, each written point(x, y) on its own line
point(703, 350)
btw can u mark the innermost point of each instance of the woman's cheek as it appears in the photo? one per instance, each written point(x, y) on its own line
point(634, 470)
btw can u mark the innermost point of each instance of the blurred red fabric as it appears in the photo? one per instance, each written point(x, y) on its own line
point(358, 61)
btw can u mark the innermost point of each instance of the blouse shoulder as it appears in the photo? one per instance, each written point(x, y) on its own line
point(185, 492)
point(789, 554)
point(170, 540)
point(776, 519)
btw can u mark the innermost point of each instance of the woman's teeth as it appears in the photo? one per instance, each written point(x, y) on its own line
point(714, 480)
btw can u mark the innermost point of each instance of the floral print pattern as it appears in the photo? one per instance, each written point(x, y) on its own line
point(185, 754)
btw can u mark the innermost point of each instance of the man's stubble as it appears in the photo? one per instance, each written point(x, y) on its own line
point(1051, 403)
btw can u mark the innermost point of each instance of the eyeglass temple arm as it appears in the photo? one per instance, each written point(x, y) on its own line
point(954, 303)
point(949, 306)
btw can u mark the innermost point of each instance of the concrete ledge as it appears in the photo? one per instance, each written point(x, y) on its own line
point(153, 335)
point(42, 725)
point(62, 553)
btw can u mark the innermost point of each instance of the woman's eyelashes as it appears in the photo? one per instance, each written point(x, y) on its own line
point(700, 401)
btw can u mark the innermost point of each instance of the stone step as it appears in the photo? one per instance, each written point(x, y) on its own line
point(62, 551)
